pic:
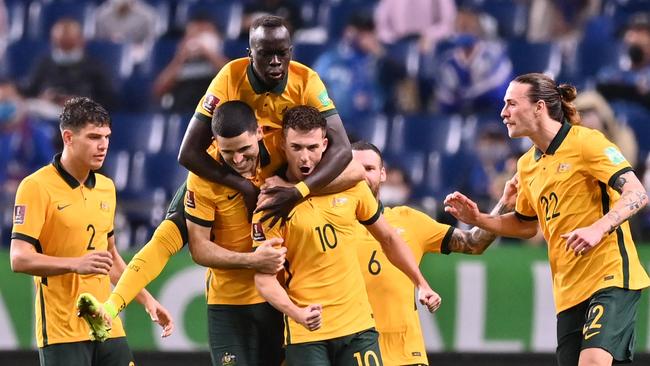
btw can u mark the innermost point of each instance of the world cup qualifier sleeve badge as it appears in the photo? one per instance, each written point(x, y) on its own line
point(228, 359)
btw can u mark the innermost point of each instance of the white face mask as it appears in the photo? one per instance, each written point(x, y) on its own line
point(391, 195)
point(62, 57)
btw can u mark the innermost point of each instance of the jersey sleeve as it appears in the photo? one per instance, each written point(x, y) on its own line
point(30, 210)
point(434, 236)
point(200, 203)
point(317, 96)
point(217, 93)
point(261, 231)
point(368, 209)
point(603, 159)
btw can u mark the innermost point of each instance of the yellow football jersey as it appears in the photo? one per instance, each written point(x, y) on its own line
point(223, 209)
point(322, 266)
point(62, 218)
point(236, 81)
point(398, 323)
point(567, 188)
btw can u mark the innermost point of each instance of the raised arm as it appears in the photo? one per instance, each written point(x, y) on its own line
point(476, 240)
point(193, 156)
point(208, 254)
point(633, 198)
point(507, 224)
point(399, 254)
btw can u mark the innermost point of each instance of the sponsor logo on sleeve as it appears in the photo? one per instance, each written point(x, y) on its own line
point(614, 155)
point(210, 102)
point(19, 214)
point(258, 232)
point(324, 98)
point(189, 199)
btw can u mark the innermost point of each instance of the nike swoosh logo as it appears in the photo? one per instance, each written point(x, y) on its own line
point(587, 336)
point(61, 207)
point(232, 196)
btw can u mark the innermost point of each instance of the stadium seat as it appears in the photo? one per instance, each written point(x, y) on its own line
point(43, 15)
point(138, 132)
point(161, 54)
point(136, 94)
point(637, 117)
point(113, 56)
point(425, 132)
point(17, 18)
point(116, 166)
point(412, 163)
point(307, 53)
point(598, 47)
point(235, 48)
point(529, 57)
point(22, 55)
point(511, 16)
point(335, 14)
point(176, 126)
point(227, 14)
point(621, 10)
point(373, 129)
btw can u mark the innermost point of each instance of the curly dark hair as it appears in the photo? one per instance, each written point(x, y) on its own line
point(269, 21)
point(81, 111)
point(303, 118)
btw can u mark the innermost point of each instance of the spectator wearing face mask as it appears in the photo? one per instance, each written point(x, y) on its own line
point(630, 80)
point(198, 58)
point(67, 71)
point(396, 190)
point(25, 143)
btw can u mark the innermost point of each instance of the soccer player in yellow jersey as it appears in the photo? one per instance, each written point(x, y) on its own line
point(269, 82)
point(328, 319)
point(63, 236)
point(398, 323)
point(581, 191)
point(242, 327)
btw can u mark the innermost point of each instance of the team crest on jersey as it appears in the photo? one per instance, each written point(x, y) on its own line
point(19, 214)
point(258, 232)
point(339, 201)
point(104, 206)
point(614, 155)
point(189, 199)
point(210, 102)
point(563, 167)
point(324, 98)
point(228, 359)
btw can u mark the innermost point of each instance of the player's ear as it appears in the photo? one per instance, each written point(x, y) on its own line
point(382, 174)
point(66, 135)
point(250, 54)
point(258, 133)
point(325, 142)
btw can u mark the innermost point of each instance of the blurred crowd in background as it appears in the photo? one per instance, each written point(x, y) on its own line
point(421, 79)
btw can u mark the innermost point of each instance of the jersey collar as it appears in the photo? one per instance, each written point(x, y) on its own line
point(556, 142)
point(68, 178)
point(258, 85)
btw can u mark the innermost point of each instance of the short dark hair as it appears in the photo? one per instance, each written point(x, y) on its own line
point(81, 111)
point(362, 145)
point(269, 21)
point(558, 98)
point(233, 118)
point(303, 118)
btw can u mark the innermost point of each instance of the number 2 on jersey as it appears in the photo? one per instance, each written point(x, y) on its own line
point(92, 236)
point(550, 205)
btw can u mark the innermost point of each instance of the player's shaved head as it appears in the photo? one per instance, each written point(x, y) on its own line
point(233, 118)
point(362, 145)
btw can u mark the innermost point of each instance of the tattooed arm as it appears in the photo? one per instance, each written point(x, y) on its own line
point(633, 198)
point(476, 240)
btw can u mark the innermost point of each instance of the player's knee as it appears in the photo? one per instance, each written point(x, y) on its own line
point(595, 357)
